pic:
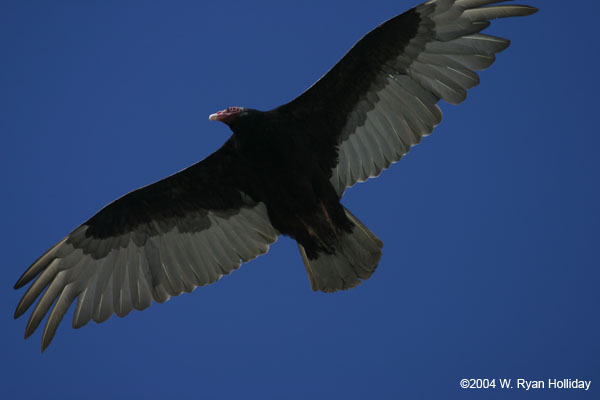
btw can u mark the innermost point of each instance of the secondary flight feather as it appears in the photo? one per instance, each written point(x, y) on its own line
point(282, 172)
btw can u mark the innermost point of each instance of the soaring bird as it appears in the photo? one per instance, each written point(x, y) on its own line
point(282, 172)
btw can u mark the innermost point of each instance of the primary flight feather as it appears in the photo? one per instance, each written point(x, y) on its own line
point(282, 171)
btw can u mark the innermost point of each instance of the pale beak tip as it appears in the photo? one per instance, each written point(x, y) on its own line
point(212, 117)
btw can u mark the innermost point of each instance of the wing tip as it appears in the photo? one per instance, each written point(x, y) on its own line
point(46, 342)
point(526, 10)
point(22, 281)
point(19, 310)
point(28, 332)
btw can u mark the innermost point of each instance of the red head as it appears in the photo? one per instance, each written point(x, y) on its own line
point(227, 115)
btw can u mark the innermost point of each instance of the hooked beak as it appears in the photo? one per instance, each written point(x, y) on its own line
point(227, 115)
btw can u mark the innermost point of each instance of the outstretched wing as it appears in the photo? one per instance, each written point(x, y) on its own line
point(158, 241)
point(381, 97)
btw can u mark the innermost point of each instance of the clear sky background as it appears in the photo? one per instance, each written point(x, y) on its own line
point(490, 266)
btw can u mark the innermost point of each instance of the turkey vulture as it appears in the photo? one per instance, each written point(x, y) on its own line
point(282, 171)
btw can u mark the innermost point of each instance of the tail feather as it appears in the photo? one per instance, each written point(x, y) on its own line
point(356, 257)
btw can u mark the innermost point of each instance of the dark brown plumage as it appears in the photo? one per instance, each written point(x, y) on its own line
point(282, 171)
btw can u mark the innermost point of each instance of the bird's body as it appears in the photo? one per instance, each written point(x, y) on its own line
point(282, 171)
point(279, 167)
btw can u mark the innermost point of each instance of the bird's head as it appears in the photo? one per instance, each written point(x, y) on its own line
point(228, 115)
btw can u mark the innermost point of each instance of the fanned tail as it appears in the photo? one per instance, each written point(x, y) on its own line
point(355, 258)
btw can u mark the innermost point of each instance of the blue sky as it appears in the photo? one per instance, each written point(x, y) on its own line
point(490, 264)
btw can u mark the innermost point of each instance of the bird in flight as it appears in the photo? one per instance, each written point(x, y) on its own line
point(282, 172)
